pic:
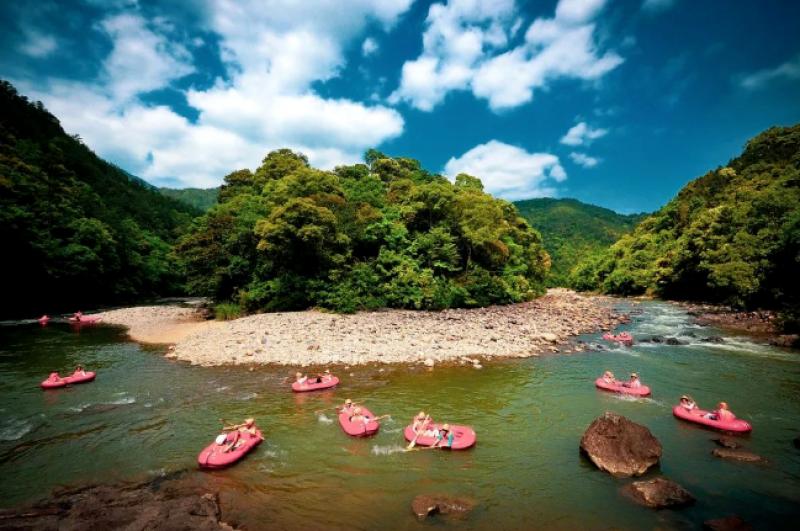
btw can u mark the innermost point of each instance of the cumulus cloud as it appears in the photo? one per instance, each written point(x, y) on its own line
point(37, 45)
point(788, 70)
point(581, 133)
point(369, 47)
point(509, 171)
point(465, 47)
point(273, 55)
point(582, 159)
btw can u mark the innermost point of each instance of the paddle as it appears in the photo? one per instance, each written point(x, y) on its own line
point(413, 442)
point(338, 406)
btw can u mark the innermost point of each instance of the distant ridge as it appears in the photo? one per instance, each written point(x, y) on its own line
point(200, 198)
point(572, 229)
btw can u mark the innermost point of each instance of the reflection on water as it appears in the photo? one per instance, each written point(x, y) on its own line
point(145, 416)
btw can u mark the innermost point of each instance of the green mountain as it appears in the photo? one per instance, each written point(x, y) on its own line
point(200, 198)
point(382, 234)
point(730, 236)
point(571, 230)
point(76, 230)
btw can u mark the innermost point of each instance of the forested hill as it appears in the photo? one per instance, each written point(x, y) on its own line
point(571, 230)
point(199, 198)
point(386, 233)
point(75, 230)
point(731, 236)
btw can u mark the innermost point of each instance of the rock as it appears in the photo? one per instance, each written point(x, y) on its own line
point(674, 341)
point(713, 339)
point(657, 339)
point(658, 493)
point(426, 505)
point(786, 340)
point(477, 366)
point(619, 446)
point(737, 455)
point(729, 523)
point(727, 442)
point(429, 362)
point(549, 336)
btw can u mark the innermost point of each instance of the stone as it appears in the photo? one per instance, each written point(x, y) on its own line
point(737, 455)
point(429, 362)
point(713, 339)
point(727, 442)
point(658, 493)
point(549, 336)
point(674, 341)
point(728, 523)
point(786, 340)
point(620, 446)
point(426, 505)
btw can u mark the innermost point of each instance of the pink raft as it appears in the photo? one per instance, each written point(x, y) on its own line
point(214, 456)
point(359, 429)
point(618, 387)
point(55, 381)
point(43, 320)
point(463, 436)
point(308, 386)
point(623, 337)
point(85, 319)
point(698, 416)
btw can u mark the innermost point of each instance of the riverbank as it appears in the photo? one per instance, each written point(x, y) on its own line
point(312, 337)
point(761, 324)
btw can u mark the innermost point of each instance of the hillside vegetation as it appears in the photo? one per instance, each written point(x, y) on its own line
point(75, 230)
point(732, 236)
point(200, 198)
point(382, 234)
point(572, 230)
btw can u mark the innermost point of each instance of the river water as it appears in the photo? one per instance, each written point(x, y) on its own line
point(146, 416)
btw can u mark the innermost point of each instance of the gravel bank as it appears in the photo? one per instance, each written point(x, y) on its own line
point(391, 336)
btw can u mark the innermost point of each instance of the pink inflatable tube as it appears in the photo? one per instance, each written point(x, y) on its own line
point(359, 429)
point(86, 319)
point(214, 456)
point(55, 381)
point(463, 437)
point(698, 416)
point(617, 387)
point(308, 386)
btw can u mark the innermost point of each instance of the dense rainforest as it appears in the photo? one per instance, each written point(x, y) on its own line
point(386, 233)
point(200, 198)
point(572, 230)
point(731, 236)
point(76, 230)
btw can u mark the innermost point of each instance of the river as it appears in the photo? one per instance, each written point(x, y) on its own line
point(145, 416)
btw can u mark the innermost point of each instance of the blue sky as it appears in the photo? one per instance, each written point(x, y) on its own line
point(614, 103)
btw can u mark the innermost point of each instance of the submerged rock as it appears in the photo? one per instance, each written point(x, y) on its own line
point(658, 493)
point(713, 339)
point(737, 455)
point(727, 442)
point(674, 341)
point(620, 446)
point(729, 523)
point(426, 505)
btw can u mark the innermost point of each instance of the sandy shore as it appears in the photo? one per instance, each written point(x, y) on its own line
point(391, 336)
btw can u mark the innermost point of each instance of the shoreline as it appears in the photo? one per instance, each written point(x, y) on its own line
point(759, 324)
point(311, 337)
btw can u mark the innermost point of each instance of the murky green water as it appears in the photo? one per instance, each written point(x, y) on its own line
point(145, 416)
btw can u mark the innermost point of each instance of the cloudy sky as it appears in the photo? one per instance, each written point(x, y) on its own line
point(616, 103)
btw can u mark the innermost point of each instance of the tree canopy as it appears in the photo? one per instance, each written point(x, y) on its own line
point(386, 233)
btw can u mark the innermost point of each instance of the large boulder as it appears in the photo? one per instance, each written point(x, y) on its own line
point(620, 446)
point(426, 505)
point(727, 442)
point(658, 493)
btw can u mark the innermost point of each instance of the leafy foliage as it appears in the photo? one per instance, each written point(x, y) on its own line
point(385, 233)
point(201, 199)
point(731, 236)
point(573, 230)
point(74, 229)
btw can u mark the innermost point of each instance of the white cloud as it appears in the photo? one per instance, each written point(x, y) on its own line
point(582, 159)
point(581, 133)
point(273, 54)
point(369, 47)
point(657, 6)
point(788, 70)
point(465, 47)
point(37, 45)
point(509, 171)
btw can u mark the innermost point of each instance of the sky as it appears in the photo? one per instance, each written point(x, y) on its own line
point(617, 103)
